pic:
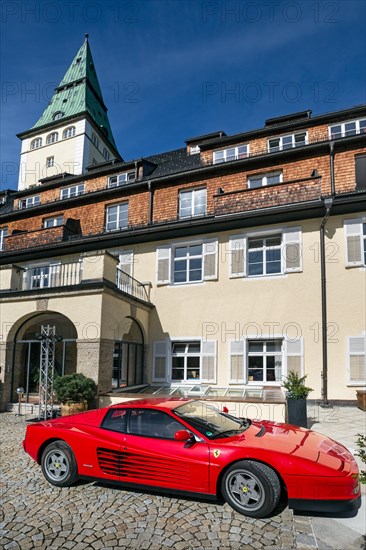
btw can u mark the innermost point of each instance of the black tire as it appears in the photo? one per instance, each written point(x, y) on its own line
point(59, 465)
point(251, 488)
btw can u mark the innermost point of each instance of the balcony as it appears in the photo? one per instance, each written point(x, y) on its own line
point(41, 237)
point(94, 269)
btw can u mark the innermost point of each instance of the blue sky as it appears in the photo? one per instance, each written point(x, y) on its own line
point(174, 69)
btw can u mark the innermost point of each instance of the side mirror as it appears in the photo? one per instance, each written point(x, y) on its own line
point(182, 435)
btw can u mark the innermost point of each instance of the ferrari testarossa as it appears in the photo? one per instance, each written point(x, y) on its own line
point(190, 447)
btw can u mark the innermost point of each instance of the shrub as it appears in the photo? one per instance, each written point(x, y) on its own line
point(75, 387)
point(361, 452)
point(295, 386)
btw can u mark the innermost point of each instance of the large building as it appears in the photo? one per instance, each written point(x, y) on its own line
point(213, 269)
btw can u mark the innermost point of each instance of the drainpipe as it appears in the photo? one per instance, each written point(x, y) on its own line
point(151, 201)
point(328, 202)
point(328, 205)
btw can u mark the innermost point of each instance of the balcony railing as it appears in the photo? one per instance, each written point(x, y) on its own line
point(131, 286)
point(50, 276)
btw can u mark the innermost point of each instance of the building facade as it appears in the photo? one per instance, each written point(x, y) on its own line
point(213, 269)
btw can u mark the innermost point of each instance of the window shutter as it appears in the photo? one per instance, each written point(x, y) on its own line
point(294, 352)
point(356, 371)
point(163, 265)
point(126, 262)
point(237, 361)
point(353, 236)
point(160, 363)
point(292, 253)
point(208, 366)
point(237, 251)
point(210, 254)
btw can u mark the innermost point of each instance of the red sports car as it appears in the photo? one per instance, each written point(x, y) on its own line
point(188, 446)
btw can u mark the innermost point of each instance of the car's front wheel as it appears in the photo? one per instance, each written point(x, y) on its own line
point(251, 488)
point(59, 465)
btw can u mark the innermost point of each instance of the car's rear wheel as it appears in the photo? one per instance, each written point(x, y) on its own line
point(59, 465)
point(251, 488)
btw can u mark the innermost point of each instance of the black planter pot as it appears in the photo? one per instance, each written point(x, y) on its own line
point(296, 412)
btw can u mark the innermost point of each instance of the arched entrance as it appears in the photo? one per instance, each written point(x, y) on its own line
point(128, 356)
point(27, 349)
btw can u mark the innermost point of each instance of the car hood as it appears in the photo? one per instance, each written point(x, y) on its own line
point(296, 443)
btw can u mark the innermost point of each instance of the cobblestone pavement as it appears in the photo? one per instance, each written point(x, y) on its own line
point(35, 514)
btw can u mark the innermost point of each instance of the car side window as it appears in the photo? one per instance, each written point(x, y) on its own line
point(151, 423)
point(115, 420)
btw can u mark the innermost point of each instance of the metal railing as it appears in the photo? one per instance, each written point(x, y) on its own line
point(48, 276)
point(131, 286)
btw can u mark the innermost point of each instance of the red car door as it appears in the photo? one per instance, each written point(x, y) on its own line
point(153, 457)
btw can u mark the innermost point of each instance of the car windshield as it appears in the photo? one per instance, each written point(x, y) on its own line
point(209, 421)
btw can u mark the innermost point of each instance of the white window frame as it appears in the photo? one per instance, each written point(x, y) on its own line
point(194, 149)
point(72, 191)
point(241, 152)
point(185, 355)
point(291, 237)
point(280, 146)
point(354, 230)
point(122, 208)
point(122, 179)
point(264, 179)
point(239, 349)
point(3, 234)
point(360, 128)
point(165, 262)
point(50, 162)
point(263, 249)
point(194, 196)
point(188, 258)
point(52, 138)
point(48, 276)
point(29, 202)
point(69, 132)
point(36, 143)
point(361, 351)
point(55, 221)
point(265, 354)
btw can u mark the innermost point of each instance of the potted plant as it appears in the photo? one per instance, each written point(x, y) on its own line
point(296, 395)
point(74, 391)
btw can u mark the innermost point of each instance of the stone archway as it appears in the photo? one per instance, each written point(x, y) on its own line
point(129, 356)
point(23, 351)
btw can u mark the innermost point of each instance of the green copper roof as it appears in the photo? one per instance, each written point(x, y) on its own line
point(77, 93)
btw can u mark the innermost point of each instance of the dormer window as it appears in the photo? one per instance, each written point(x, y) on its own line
point(233, 153)
point(58, 115)
point(287, 142)
point(69, 132)
point(106, 153)
point(345, 129)
point(194, 150)
point(29, 202)
point(72, 191)
point(121, 179)
point(36, 143)
point(52, 138)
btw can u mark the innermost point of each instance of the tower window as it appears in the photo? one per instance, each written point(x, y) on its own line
point(52, 138)
point(58, 115)
point(69, 132)
point(95, 140)
point(37, 142)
